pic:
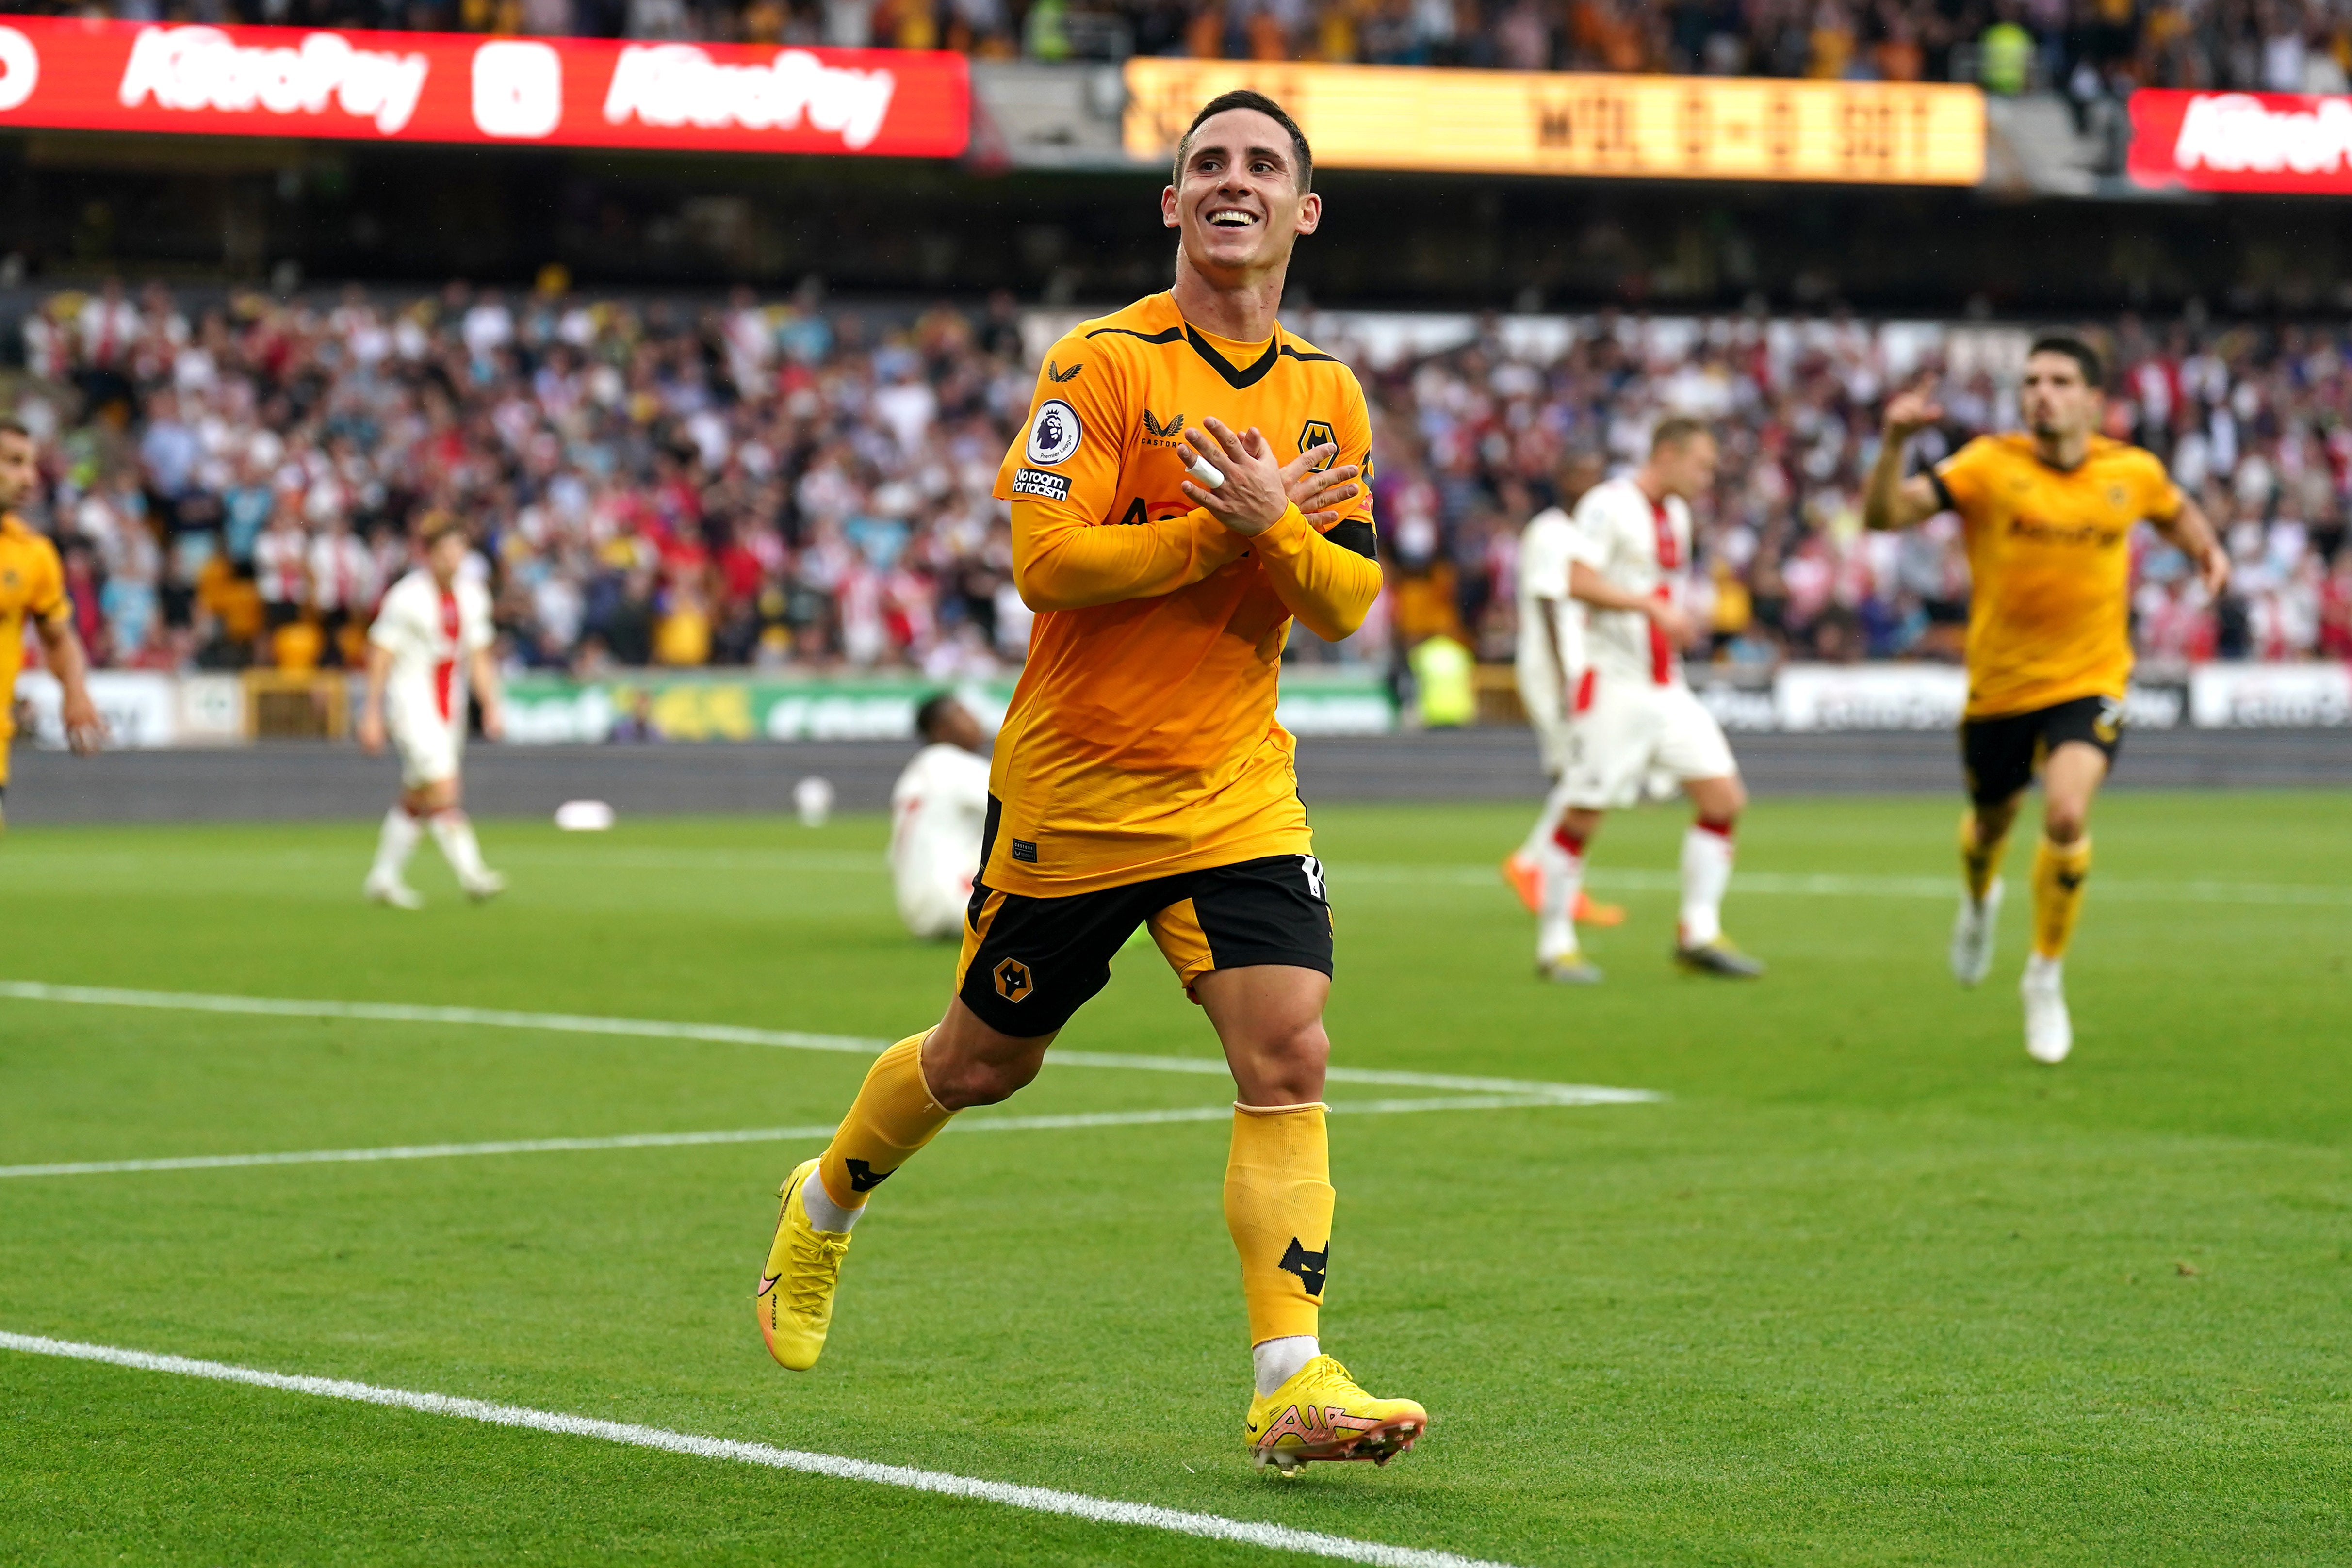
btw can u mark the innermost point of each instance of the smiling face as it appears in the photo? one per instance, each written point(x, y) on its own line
point(2055, 399)
point(1236, 200)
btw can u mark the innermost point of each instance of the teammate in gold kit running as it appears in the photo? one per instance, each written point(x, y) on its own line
point(1178, 499)
point(2048, 513)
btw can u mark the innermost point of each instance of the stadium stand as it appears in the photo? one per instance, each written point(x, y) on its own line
point(794, 484)
point(2094, 52)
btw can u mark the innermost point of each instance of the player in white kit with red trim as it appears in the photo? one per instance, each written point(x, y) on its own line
point(1633, 712)
point(428, 650)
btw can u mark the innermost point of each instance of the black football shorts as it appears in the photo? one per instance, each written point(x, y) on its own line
point(1029, 963)
point(2000, 756)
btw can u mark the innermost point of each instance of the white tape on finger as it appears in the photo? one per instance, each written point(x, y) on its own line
point(1204, 472)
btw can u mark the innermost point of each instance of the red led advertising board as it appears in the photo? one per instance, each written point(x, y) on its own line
point(2277, 142)
point(73, 75)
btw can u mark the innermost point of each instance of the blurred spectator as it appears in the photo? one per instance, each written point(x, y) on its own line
point(2093, 50)
point(780, 484)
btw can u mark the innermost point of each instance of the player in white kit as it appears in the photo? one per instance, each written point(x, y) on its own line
point(427, 650)
point(1550, 656)
point(1634, 713)
point(938, 810)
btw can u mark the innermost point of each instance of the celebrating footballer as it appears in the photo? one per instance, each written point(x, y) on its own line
point(1179, 498)
point(2048, 513)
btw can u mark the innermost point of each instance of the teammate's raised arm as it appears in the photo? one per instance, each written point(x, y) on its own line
point(1889, 500)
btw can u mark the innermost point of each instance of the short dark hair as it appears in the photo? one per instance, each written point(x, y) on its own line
point(437, 525)
point(928, 717)
point(1248, 98)
point(1675, 429)
point(15, 427)
point(2095, 375)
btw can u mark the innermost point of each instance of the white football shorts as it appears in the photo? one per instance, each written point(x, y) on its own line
point(429, 750)
point(1633, 729)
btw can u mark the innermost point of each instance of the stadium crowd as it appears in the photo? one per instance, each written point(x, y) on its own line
point(792, 484)
point(2093, 50)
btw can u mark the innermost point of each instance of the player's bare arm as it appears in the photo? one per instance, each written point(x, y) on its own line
point(379, 671)
point(1889, 500)
point(85, 727)
point(482, 676)
point(2191, 531)
point(1590, 587)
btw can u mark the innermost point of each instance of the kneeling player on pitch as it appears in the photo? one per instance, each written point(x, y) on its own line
point(429, 646)
point(1634, 713)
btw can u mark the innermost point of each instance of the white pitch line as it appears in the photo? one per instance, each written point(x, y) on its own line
point(757, 1136)
point(738, 1034)
point(1037, 1499)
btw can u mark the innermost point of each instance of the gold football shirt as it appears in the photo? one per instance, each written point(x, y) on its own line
point(1141, 740)
point(2050, 563)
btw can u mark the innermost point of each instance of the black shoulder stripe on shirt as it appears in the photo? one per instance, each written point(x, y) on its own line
point(1943, 491)
point(1236, 376)
point(1355, 534)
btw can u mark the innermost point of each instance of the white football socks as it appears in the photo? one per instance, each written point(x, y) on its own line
point(1563, 879)
point(1546, 822)
point(1277, 1361)
point(455, 833)
point(822, 1212)
point(1707, 872)
point(394, 844)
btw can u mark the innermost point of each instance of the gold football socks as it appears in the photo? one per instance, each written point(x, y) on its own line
point(2059, 872)
point(893, 1115)
point(1980, 861)
point(1278, 1203)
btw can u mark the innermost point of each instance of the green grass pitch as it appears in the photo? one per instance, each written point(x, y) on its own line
point(1868, 1286)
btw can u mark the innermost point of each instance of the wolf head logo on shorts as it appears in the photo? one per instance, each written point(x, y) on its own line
point(1054, 434)
point(1013, 980)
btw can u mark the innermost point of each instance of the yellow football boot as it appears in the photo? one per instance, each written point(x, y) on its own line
point(1321, 1415)
point(795, 1298)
